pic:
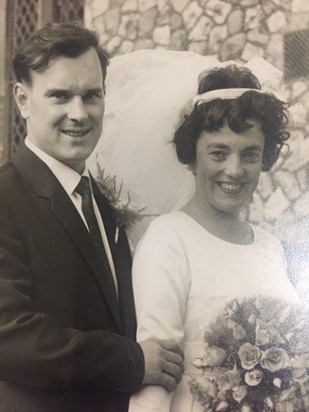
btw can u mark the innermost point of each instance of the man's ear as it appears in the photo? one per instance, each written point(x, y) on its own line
point(192, 167)
point(21, 95)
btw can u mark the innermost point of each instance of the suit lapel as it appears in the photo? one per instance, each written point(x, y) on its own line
point(122, 260)
point(73, 224)
point(106, 213)
point(47, 186)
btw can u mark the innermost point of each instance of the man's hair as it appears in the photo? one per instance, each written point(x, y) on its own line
point(53, 40)
point(236, 113)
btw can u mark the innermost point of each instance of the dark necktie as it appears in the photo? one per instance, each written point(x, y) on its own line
point(84, 189)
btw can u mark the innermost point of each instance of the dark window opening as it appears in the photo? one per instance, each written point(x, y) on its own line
point(296, 54)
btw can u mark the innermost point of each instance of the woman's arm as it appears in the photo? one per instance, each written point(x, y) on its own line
point(161, 284)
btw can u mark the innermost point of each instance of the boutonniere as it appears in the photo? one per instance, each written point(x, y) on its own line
point(126, 214)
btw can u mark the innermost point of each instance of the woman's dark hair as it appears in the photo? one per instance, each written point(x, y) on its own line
point(53, 40)
point(211, 116)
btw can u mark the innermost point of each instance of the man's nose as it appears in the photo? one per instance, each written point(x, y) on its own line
point(77, 109)
point(234, 167)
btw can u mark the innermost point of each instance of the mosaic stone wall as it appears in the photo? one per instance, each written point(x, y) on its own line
point(228, 29)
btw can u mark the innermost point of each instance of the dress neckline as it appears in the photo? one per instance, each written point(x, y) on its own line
point(203, 229)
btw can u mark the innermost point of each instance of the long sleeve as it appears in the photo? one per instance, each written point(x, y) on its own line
point(161, 283)
point(34, 348)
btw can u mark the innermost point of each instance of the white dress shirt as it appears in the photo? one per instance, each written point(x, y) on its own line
point(69, 179)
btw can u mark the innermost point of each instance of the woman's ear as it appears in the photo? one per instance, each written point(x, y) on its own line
point(21, 95)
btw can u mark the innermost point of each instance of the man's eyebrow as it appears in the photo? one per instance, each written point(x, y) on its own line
point(69, 92)
point(95, 90)
point(55, 90)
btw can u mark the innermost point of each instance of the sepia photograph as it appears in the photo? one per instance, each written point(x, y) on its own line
point(154, 206)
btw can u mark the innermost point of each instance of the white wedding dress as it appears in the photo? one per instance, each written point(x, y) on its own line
point(183, 276)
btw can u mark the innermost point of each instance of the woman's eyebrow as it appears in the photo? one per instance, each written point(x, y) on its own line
point(217, 146)
point(254, 147)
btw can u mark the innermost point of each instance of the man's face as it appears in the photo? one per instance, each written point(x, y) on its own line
point(64, 108)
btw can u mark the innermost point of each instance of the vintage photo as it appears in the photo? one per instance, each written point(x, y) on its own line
point(154, 213)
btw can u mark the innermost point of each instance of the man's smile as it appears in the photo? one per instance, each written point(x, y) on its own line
point(76, 132)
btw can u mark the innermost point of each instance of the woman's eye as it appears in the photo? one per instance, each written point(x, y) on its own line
point(252, 156)
point(218, 155)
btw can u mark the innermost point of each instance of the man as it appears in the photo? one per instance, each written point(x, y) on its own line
point(67, 321)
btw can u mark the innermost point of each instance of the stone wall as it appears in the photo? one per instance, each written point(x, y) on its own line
point(228, 29)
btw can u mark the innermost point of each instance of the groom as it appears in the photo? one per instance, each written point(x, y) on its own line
point(67, 322)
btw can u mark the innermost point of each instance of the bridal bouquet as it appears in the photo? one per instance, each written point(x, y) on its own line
point(256, 359)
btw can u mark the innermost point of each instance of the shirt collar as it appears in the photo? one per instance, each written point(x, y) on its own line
point(68, 178)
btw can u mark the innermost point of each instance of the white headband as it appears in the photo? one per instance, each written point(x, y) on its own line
point(221, 94)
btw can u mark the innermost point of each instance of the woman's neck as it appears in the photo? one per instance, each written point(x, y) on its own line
point(226, 226)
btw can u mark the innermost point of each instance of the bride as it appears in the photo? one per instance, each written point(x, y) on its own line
point(197, 270)
point(191, 262)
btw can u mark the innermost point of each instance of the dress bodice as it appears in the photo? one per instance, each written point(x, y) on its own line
point(183, 276)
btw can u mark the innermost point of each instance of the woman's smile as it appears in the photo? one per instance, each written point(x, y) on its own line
point(228, 167)
point(231, 187)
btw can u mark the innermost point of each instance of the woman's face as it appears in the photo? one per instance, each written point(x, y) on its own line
point(228, 166)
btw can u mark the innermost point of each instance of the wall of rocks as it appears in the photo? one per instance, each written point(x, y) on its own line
point(228, 29)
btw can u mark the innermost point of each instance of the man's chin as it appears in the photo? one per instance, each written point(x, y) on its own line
point(74, 163)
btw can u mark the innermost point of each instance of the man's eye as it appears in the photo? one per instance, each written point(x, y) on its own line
point(60, 96)
point(93, 96)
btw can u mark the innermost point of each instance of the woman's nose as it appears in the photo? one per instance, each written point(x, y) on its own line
point(76, 109)
point(233, 167)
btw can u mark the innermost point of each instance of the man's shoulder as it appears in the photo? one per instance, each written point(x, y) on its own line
point(6, 166)
point(7, 171)
point(11, 179)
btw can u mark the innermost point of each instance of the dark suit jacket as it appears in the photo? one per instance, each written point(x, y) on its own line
point(66, 343)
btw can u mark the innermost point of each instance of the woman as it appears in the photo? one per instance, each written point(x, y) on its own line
point(192, 263)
